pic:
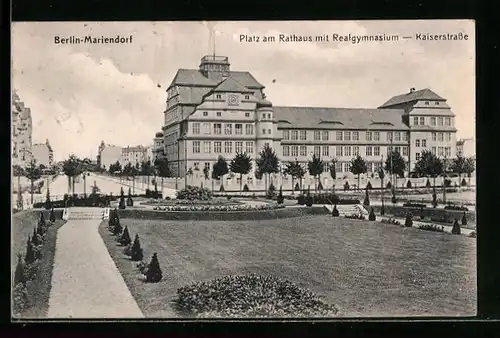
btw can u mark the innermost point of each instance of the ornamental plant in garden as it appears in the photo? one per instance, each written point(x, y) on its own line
point(408, 184)
point(434, 198)
point(456, 228)
point(372, 216)
point(335, 211)
point(136, 253)
point(271, 192)
point(48, 203)
point(30, 253)
point(366, 202)
point(130, 201)
point(154, 273)
point(464, 219)
point(382, 209)
point(125, 239)
point(280, 198)
point(409, 220)
point(52, 216)
point(369, 185)
point(121, 205)
point(19, 275)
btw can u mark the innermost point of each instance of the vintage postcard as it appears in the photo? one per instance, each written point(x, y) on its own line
point(293, 169)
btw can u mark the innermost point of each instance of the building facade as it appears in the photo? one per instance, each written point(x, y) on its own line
point(43, 154)
point(214, 111)
point(135, 155)
point(22, 128)
point(158, 150)
point(108, 154)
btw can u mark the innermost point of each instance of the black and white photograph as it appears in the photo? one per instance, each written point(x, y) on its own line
point(243, 170)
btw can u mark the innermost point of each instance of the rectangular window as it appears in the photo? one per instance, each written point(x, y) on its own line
point(347, 136)
point(417, 156)
point(389, 136)
point(338, 167)
point(404, 136)
point(295, 135)
point(447, 151)
point(303, 150)
point(228, 147)
point(249, 147)
point(238, 146)
point(434, 136)
point(286, 150)
point(219, 113)
point(206, 147)
point(405, 151)
point(369, 135)
point(424, 143)
point(339, 136)
point(440, 121)
point(317, 150)
point(397, 136)
point(339, 152)
point(347, 151)
point(440, 151)
point(326, 151)
point(448, 121)
point(440, 137)
point(433, 121)
point(376, 151)
point(316, 135)
point(376, 136)
point(196, 128)
point(448, 137)
point(422, 120)
point(247, 97)
point(295, 151)
point(355, 135)
point(205, 113)
point(249, 129)
point(228, 129)
point(415, 121)
point(269, 131)
point(206, 128)
point(434, 150)
point(286, 135)
point(368, 151)
point(417, 143)
point(219, 96)
point(263, 131)
point(217, 147)
point(196, 146)
point(247, 114)
point(397, 149)
point(325, 135)
point(238, 129)
point(355, 150)
point(303, 135)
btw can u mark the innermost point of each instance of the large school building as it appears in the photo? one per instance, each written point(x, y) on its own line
point(214, 111)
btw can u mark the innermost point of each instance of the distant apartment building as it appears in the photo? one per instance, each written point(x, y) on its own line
point(108, 154)
point(43, 154)
point(136, 155)
point(214, 111)
point(22, 127)
point(158, 148)
point(466, 147)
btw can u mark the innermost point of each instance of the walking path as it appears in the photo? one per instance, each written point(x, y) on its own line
point(85, 280)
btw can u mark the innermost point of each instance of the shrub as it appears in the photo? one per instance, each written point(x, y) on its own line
point(409, 220)
point(447, 182)
point(136, 253)
point(455, 207)
point(389, 185)
point(221, 189)
point(309, 200)
point(154, 274)
point(434, 199)
point(464, 219)
point(346, 186)
point(245, 188)
point(30, 254)
point(464, 183)
point(382, 209)
point(125, 239)
point(195, 193)
point(473, 234)
point(121, 205)
point(19, 274)
point(143, 267)
point(393, 199)
point(414, 205)
point(36, 239)
point(117, 228)
point(408, 184)
point(280, 197)
point(297, 187)
point(428, 184)
point(355, 216)
point(301, 199)
point(431, 227)
point(31, 270)
point(369, 185)
point(128, 250)
point(335, 211)
point(250, 296)
point(456, 228)
point(48, 203)
point(366, 202)
point(19, 299)
point(271, 192)
point(372, 216)
point(52, 216)
point(320, 186)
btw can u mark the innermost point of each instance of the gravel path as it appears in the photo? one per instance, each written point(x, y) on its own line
point(85, 280)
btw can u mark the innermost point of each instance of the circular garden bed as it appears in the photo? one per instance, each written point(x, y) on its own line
point(250, 296)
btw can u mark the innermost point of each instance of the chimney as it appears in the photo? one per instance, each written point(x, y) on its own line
point(412, 90)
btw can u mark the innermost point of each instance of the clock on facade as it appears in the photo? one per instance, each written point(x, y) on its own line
point(233, 100)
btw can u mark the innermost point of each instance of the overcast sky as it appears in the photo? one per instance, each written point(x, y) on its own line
point(82, 94)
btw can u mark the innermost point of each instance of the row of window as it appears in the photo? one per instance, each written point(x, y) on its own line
point(441, 136)
point(219, 96)
point(441, 151)
point(218, 146)
point(339, 151)
point(324, 135)
point(420, 121)
point(207, 128)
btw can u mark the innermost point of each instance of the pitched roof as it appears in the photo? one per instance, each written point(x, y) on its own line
point(230, 85)
point(339, 118)
point(196, 78)
point(423, 94)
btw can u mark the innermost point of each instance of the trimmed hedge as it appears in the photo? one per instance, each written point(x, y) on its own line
point(434, 214)
point(222, 216)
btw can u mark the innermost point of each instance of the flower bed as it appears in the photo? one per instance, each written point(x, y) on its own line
point(238, 207)
point(414, 205)
point(431, 227)
point(251, 215)
point(218, 201)
point(434, 214)
point(390, 221)
point(250, 296)
point(455, 207)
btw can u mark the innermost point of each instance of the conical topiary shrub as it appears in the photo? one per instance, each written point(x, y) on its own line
point(30, 253)
point(463, 183)
point(428, 184)
point(369, 185)
point(456, 228)
point(52, 216)
point(335, 211)
point(153, 273)
point(271, 191)
point(41, 224)
point(346, 186)
point(389, 185)
point(48, 202)
point(221, 189)
point(366, 202)
point(464, 219)
point(280, 197)
point(372, 216)
point(409, 220)
point(136, 253)
point(130, 201)
point(245, 188)
point(117, 227)
point(19, 274)
point(382, 209)
point(408, 184)
point(434, 198)
point(297, 187)
point(320, 186)
point(125, 237)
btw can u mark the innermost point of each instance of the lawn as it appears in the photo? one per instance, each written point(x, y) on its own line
point(364, 268)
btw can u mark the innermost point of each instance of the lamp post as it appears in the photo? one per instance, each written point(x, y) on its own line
point(85, 184)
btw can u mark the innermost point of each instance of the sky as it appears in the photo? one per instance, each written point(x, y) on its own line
point(80, 94)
